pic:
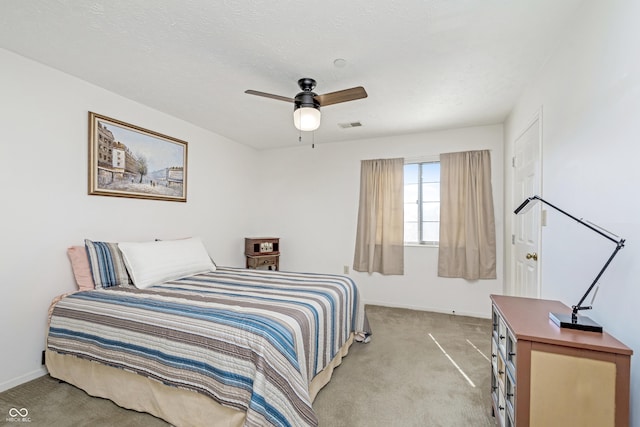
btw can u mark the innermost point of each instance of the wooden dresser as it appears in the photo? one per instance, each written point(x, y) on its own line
point(542, 375)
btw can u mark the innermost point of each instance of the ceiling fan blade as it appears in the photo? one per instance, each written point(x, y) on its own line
point(341, 96)
point(269, 95)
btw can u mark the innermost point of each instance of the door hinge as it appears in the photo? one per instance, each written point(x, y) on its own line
point(513, 239)
point(513, 162)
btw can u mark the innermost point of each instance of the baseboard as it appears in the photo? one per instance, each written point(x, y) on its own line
point(23, 379)
point(431, 309)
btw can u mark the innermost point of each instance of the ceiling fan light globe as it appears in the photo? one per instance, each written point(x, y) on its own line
point(306, 118)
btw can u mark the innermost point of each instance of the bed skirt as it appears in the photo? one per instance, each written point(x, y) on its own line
point(177, 406)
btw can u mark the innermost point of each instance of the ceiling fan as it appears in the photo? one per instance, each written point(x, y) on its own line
point(306, 104)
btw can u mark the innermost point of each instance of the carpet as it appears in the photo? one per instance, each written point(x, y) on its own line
point(420, 369)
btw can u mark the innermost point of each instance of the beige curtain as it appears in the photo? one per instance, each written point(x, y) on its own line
point(467, 245)
point(380, 233)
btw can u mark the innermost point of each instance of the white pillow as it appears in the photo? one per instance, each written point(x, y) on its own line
point(151, 263)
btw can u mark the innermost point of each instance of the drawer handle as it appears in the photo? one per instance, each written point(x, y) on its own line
point(493, 355)
point(500, 372)
point(502, 337)
point(512, 354)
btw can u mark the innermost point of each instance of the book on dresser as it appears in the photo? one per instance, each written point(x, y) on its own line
point(543, 375)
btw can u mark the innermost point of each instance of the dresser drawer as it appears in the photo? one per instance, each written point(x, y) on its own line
point(510, 395)
point(501, 371)
point(262, 261)
point(512, 353)
point(502, 413)
point(494, 354)
point(497, 397)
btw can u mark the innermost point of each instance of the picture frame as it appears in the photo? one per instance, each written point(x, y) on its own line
point(129, 161)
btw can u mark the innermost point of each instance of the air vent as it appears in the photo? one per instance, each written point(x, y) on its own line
point(349, 125)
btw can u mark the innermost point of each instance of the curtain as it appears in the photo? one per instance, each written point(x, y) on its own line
point(380, 232)
point(467, 246)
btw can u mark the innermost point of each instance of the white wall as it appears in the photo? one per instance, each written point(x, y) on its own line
point(308, 198)
point(45, 206)
point(589, 92)
point(310, 201)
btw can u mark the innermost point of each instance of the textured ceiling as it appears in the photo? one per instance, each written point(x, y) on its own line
point(426, 64)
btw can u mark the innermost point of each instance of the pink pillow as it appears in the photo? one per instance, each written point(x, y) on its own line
point(80, 266)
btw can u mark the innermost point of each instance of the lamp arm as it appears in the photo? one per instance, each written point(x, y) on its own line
point(577, 307)
point(580, 221)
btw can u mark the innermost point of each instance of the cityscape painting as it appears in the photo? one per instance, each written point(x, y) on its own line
point(129, 161)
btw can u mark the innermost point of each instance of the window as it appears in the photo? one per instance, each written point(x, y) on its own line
point(422, 203)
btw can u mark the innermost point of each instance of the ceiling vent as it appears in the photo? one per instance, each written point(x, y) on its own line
point(350, 125)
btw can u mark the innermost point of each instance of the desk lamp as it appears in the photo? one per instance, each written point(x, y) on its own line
point(573, 320)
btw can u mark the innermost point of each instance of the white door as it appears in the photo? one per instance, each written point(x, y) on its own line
point(526, 226)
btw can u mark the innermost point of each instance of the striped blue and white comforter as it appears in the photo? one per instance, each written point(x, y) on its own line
point(250, 339)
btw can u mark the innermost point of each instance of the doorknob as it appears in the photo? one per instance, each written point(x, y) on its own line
point(533, 256)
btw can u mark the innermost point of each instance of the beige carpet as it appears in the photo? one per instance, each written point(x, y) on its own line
point(401, 378)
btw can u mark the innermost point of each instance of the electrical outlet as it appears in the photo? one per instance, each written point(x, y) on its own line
point(346, 269)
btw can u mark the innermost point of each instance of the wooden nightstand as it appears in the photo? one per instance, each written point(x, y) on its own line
point(262, 252)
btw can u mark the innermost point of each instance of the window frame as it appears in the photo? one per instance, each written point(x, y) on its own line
point(419, 161)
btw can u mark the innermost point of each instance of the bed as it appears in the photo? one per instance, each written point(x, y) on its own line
point(228, 346)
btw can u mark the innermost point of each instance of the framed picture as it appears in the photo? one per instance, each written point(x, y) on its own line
point(129, 161)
